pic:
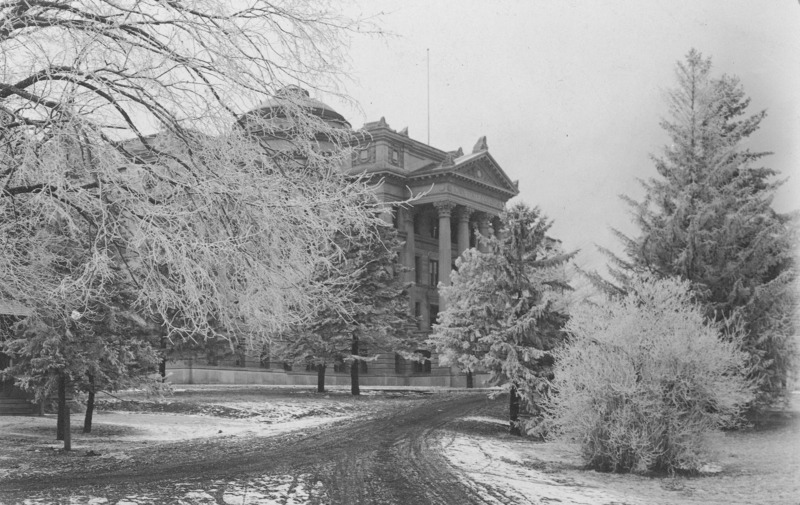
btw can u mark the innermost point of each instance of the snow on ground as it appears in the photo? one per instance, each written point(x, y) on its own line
point(485, 419)
point(750, 467)
point(500, 472)
point(143, 427)
point(266, 490)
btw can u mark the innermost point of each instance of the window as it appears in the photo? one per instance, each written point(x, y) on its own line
point(396, 217)
point(417, 225)
point(418, 269)
point(434, 313)
point(418, 314)
point(263, 358)
point(433, 272)
point(287, 366)
point(434, 222)
point(425, 365)
point(339, 366)
point(399, 364)
point(239, 358)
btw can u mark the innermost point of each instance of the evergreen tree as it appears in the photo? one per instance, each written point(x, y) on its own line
point(377, 317)
point(505, 308)
point(708, 218)
point(107, 348)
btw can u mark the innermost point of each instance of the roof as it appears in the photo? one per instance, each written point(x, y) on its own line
point(276, 107)
point(478, 167)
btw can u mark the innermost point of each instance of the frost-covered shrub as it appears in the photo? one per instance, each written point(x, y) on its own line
point(644, 378)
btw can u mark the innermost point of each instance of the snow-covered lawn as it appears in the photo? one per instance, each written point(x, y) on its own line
point(749, 467)
point(266, 490)
point(133, 427)
point(129, 422)
point(505, 471)
point(175, 419)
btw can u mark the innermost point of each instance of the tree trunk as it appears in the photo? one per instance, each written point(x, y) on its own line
point(321, 377)
point(87, 421)
point(63, 413)
point(513, 411)
point(354, 389)
point(470, 385)
point(162, 366)
point(62, 406)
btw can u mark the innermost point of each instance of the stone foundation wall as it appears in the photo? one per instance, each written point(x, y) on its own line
point(185, 373)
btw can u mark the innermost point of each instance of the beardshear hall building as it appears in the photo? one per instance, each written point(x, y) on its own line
point(457, 193)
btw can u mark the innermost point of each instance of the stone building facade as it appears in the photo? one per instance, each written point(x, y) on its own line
point(453, 196)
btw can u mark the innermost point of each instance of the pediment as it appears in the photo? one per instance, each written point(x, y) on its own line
point(484, 170)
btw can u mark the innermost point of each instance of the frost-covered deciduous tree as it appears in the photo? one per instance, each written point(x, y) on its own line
point(644, 378)
point(127, 156)
point(506, 308)
point(708, 218)
point(376, 318)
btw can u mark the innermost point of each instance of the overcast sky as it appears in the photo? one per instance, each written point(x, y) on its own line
point(570, 94)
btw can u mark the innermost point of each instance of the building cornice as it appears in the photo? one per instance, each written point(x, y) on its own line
point(414, 146)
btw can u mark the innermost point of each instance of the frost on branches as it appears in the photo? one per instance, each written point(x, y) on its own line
point(644, 378)
point(505, 308)
point(376, 319)
point(127, 172)
point(708, 218)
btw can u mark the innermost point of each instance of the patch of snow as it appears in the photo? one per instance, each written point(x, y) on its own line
point(197, 498)
point(486, 419)
point(499, 474)
point(73, 500)
point(264, 490)
point(710, 468)
point(141, 427)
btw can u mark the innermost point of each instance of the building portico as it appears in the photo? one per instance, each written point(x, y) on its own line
point(454, 196)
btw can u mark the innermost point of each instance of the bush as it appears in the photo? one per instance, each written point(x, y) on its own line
point(644, 378)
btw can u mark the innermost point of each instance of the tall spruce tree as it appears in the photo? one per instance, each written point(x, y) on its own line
point(708, 218)
point(505, 308)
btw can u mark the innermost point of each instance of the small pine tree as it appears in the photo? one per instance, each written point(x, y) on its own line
point(505, 308)
point(108, 347)
point(377, 317)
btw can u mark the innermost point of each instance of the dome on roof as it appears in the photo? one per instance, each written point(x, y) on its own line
point(277, 111)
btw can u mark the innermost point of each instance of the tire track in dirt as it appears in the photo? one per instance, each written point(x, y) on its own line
point(389, 458)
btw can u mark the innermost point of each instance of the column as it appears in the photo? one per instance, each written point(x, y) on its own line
point(445, 247)
point(463, 229)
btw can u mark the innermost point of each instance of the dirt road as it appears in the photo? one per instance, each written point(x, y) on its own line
point(386, 458)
